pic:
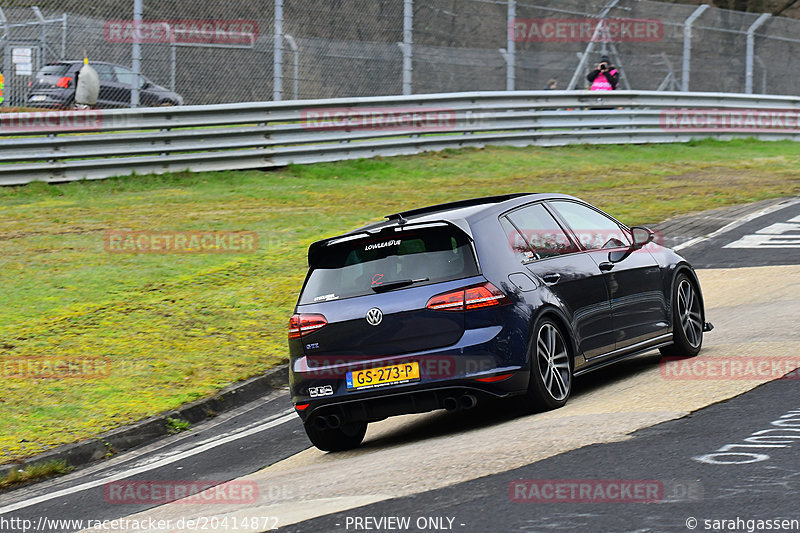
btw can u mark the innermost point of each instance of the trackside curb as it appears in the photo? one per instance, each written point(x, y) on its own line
point(155, 427)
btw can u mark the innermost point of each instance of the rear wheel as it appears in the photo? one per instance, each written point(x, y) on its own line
point(344, 437)
point(687, 319)
point(551, 367)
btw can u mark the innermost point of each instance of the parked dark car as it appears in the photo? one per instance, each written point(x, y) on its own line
point(492, 297)
point(54, 87)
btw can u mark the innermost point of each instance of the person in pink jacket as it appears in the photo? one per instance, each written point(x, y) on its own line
point(605, 77)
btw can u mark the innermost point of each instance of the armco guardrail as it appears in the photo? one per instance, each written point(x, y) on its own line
point(71, 145)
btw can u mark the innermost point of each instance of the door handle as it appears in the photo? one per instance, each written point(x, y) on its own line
point(551, 278)
point(605, 266)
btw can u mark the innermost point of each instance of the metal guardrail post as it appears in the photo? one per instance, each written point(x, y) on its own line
point(748, 83)
point(687, 45)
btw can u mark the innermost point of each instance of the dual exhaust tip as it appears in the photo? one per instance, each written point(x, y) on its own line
point(328, 422)
point(465, 401)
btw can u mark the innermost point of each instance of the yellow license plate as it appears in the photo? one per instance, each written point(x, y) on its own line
point(387, 375)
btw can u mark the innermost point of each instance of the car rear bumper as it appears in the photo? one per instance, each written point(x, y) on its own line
point(420, 399)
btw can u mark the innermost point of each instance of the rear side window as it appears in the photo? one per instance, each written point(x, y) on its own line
point(390, 262)
point(57, 70)
point(593, 229)
point(124, 75)
point(540, 231)
point(104, 72)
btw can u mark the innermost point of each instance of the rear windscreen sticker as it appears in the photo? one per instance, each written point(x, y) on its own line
point(376, 279)
point(326, 297)
point(384, 244)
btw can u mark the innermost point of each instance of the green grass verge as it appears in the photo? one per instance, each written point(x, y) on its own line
point(175, 328)
point(35, 472)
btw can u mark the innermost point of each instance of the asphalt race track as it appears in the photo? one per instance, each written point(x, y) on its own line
point(642, 446)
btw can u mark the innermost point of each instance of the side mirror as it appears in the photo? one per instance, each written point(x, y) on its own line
point(641, 236)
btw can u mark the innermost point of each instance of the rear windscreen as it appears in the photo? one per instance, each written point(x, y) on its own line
point(390, 262)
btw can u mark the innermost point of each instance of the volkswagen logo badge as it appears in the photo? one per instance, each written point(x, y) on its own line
point(374, 316)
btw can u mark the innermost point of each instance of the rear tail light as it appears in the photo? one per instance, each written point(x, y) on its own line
point(474, 297)
point(305, 323)
point(64, 82)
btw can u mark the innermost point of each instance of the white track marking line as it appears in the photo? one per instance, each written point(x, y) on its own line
point(736, 223)
point(282, 418)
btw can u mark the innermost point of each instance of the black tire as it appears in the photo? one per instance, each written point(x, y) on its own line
point(345, 437)
point(687, 319)
point(550, 357)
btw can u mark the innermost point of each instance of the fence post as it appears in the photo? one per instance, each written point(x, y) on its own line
point(277, 44)
point(748, 83)
point(687, 45)
point(408, 39)
point(510, 53)
point(136, 52)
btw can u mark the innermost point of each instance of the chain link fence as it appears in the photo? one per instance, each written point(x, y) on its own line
point(218, 51)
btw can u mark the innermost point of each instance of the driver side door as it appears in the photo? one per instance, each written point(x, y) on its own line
point(634, 284)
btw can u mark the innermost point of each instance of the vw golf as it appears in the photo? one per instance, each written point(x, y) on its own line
point(513, 295)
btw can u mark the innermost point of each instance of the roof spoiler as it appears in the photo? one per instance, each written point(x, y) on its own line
point(403, 215)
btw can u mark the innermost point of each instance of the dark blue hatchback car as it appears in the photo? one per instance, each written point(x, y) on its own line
point(513, 295)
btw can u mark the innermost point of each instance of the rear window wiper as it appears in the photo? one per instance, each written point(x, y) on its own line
point(396, 284)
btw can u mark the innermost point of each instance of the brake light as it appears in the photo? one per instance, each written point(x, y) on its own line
point(305, 323)
point(474, 297)
point(64, 82)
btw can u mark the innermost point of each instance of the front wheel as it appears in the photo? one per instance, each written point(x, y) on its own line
point(551, 368)
point(687, 320)
point(344, 437)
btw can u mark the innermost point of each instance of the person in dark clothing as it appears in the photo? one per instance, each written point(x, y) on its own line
point(605, 77)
